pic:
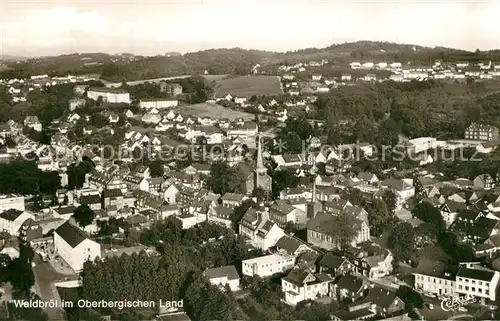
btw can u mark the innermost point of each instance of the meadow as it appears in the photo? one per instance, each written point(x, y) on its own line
point(248, 86)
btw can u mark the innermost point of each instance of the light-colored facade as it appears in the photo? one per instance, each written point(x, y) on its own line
point(11, 202)
point(301, 286)
point(158, 103)
point(479, 283)
point(267, 265)
point(74, 247)
point(11, 221)
point(438, 285)
point(109, 95)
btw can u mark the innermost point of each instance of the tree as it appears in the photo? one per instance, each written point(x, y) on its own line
point(429, 214)
point(223, 179)
point(402, 241)
point(390, 200)
point(83, 215)
point(410, 297)
point(345, 228)
point(379, 216)
point(156, 168)
point(239, 211)
point(353, 195)
point(20, 275)
point(76, 173)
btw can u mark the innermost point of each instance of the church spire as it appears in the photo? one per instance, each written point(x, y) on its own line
point(260, 162)
point(313, 198)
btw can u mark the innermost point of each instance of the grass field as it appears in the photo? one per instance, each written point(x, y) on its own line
point(212, 111)
point(247, 86)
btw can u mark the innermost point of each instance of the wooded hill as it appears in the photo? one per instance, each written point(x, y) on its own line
point(235, 60)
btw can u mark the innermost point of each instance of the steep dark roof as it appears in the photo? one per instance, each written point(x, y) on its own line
point(71, 234)
point(288, 243)
point(11, 214)
point(331, 261)
point(90, 199)
point(476, 274)
point(382, 298)
point(112, 192)
point(350, 283)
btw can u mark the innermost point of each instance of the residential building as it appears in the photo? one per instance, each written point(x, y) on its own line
point(300, 285)
point(33, 122)
point(261, 231)
point(267, 265)
point(171, 89)
point(484, 181)
point(113, 197)
point(435, 277)
point(481, 132)
point(233, 199)
point(109, 95)
point(222, 276)
point(321, 230)
point(158, 103)
point(74, 246)
point(11, 201)
point(477, 281)
point(11, 220)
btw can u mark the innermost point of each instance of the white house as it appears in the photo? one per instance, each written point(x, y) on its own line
point(437, 282)
point(476, 281)
point(421, 144)
point(267, 265)
point(74, 246)
point(109, 95)
point(158, 103)
point(12, 219)
point(224, 275)
point(11, 201)
point(261, 231)
point(300, 285)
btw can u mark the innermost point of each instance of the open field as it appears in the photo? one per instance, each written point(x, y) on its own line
point(212, 111)
point(215, 77)
point(247, 86)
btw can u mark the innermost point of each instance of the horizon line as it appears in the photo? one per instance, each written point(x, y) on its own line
point(164, 54)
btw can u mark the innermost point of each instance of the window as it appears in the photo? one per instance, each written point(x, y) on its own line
point(487, 292)
point(466, 288)
point(460, 287)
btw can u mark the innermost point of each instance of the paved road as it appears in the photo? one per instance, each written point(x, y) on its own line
point(45, 276)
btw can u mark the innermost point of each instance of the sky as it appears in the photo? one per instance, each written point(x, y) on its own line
point(150, 27)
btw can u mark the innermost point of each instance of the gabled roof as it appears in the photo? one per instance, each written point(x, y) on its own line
point(288, 243)
point(71, 234)
point(11, 214)
point(331, 261)
point(477, 274)
point(225, 271)
point(350, 283)
point(382, 298)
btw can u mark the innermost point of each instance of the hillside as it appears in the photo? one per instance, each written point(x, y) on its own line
point(236, 60)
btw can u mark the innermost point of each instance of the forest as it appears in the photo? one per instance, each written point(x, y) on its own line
point(176, 273)
point(24, 178)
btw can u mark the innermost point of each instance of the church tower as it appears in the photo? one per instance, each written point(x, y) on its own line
point(262, 180)
point(314, 206)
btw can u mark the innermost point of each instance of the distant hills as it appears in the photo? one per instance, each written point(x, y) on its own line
point(235, 60)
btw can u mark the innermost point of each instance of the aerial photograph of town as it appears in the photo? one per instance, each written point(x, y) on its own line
point(253, 160)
